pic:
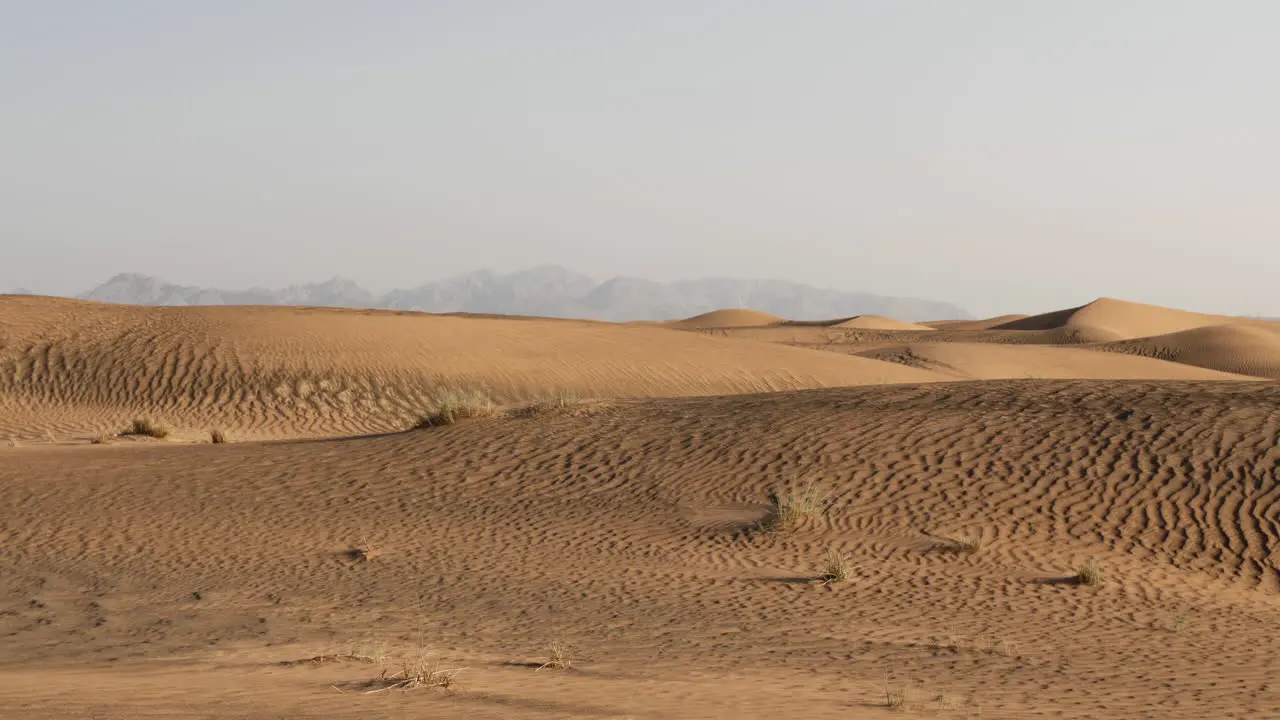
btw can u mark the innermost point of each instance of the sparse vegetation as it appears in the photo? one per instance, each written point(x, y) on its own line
point(557, 657)
point(835, 568)
point(793, 506)
point(101, 439)
point(217, 437)
point(963, 544)
point(13, 442)
point(361, 551)
point(1090, 573)
point(452, 404)
point(549, 403)
point(143, 426)
point(425, 671)
point(896, 697)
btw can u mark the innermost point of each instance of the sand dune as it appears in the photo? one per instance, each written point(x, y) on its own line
point(986, 324)
point(1252, 349)
point(878, 322)
point(1106, 320)
point(972, 361)
point(72, 369)
point(259, 580)
point(183, 577)
point(731, 318)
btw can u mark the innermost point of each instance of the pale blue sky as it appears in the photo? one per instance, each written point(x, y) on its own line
point(1014, 155)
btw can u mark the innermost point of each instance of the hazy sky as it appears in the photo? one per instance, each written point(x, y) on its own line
point(1015, 155)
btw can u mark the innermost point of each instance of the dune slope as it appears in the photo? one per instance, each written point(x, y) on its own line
point(173, 581)
point(729, 318)
point(70, 367)
point(1107, 319)
point(1252, 349)
point(992, 361)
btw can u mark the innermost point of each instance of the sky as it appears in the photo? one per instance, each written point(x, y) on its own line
point(1004, 155)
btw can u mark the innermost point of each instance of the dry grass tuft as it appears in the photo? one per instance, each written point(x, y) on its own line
point(792, 506)
point(964, 544)
point(451, 405)
point(217, 437)
point(835, 568)
point(1090, 573)
point(13, 442)
point(425, 671)
point(361, 551)
point(549, 403)
point(101, 439)
point(557, 657)
point(142, 426)
point(896, 697)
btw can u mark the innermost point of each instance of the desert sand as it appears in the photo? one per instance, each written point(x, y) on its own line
point(1067, 515)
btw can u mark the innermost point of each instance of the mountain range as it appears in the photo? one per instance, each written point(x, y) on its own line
point(548, 291)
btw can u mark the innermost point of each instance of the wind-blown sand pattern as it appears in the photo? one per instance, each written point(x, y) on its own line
point(179, 579)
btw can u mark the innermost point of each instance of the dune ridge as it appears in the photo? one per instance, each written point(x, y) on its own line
point(1108, 319)
point(75, 367)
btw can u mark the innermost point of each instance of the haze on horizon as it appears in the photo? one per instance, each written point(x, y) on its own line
point(1001, 155)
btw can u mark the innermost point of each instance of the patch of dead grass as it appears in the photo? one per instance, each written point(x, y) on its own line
point(835, 568)
point(558, 657)
point(1090, 573)
point(148, 428)
point(792, 506)
point(962, 544)
point(449, 405)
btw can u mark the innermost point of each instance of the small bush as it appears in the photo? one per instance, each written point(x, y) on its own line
point(217, 437)
point(549, 403)
point(794, 505)
point(963, 544)
point(896, 697)
point(148, 428)
point(557, 657)
point(425, 671)
point(101, 439)
point(835, 568)
point(1090, 573)
point(452, 405)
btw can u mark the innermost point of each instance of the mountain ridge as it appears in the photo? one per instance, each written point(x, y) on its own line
point(545, 290)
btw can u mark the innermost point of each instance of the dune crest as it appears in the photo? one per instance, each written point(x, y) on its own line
point(1252, 349)
point(77, 367)
point(878, 322)
point(1107, 320)
point(729, 318)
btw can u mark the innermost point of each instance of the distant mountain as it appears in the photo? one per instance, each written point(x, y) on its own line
point(548, 291)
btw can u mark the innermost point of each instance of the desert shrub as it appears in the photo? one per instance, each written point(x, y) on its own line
point(835, 568)
point(149, 428)
point(791, 506)
point(1090, 573)
point(452, 404)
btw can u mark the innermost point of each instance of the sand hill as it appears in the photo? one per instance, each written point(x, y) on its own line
point(973, 361)
point(1252, 349)
point(756, 519)
point(1105, 320)
point(731, 318)
point(77, 368)
point(878, 322)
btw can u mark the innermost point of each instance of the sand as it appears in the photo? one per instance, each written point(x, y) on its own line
point(878, 322)
point(281, 578)
point(731, 318)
